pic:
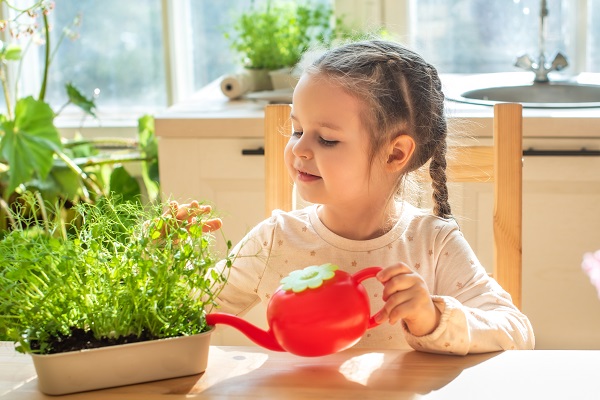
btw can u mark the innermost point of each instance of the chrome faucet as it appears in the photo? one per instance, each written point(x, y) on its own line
point(540, 66)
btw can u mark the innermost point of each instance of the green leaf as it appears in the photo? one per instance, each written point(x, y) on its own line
point(149, 149)
point(29, 141)
point(66, 182)
point(80, 100)
point(125, 185)
point(11, 52)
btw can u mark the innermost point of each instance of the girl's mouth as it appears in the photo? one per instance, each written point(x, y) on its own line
point(306, 177)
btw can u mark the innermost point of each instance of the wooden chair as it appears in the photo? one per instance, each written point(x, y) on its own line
point(500, 163)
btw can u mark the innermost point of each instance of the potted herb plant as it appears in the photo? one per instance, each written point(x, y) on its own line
point(115, 297)
point(274, 35)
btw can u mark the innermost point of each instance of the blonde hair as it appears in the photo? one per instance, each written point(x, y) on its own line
point(402, 94)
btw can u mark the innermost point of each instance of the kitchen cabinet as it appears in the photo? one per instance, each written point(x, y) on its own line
point(200, 156)
point(226, 173)
point(561, 220)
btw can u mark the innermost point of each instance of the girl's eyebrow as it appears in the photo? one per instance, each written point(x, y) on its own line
point(324, 124)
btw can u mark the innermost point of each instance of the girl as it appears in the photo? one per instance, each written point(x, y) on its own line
point(365, 115)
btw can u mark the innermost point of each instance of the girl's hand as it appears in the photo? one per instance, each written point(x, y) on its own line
point(185, 212)
point(406, 297)
point(191, 212)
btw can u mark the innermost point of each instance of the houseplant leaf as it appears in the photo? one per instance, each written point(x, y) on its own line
point(149, 149)
point(124, 184)
point(80, 100)
point(11, 52)
point(29, 141)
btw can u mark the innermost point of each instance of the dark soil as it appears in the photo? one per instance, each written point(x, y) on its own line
point(79, 339)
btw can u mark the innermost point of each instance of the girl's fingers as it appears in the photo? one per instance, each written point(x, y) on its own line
point(191, 212)
point(401, 305)
point(387, 273)
point(172, 209)
point(404, 293)
point(397, 278)
point(187, 211)
point(212, 225)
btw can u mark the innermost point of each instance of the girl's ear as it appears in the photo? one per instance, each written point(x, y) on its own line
point(400, 151)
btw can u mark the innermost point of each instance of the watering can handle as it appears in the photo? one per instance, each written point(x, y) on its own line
point(360, 276)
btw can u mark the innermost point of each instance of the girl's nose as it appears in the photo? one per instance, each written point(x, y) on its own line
point(301, 149)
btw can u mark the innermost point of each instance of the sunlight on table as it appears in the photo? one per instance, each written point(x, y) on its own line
point(246, 362)
point(359, 369)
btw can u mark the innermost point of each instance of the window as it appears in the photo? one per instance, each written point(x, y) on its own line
point(210, 21)
point(593, 44)
point(475, 36)
point(142, 58)
point(112, 49)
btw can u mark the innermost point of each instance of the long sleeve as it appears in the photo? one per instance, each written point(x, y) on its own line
point(249, 258)
point(477, 314)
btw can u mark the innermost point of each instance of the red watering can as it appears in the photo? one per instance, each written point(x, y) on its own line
point(317, 311)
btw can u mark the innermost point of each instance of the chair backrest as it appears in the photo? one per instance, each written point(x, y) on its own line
point(501, 163)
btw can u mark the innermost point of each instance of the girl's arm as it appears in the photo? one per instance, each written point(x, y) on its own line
point(476, 314)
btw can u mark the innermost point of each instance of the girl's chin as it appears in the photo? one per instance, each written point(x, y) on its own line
point(309, 196)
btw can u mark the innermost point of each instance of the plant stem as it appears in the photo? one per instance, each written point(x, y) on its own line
point(3, 74)
point(75, 168)
point(93, 161)
point(38, 197)
point(20, 68)
point(103, 142)
point(46, 59)
point(60, 40)
point(4, 206)
point(62, 108)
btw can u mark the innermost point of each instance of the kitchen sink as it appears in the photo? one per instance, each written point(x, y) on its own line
point(553, 94)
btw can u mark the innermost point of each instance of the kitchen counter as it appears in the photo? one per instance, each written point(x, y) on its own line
point(210, 114)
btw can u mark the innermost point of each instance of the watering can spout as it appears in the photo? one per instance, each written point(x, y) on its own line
point(261, 337)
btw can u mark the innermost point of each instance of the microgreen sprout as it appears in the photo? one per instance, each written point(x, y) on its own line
point(120, 269)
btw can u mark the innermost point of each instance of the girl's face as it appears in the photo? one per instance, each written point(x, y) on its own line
point(328, 153)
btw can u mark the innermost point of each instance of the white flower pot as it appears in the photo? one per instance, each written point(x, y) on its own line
point(84, 370)
point(285, 78)
point(260, 79)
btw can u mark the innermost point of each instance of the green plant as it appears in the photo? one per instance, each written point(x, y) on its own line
point(122, 273)
point(276, 34)
point(33, 155)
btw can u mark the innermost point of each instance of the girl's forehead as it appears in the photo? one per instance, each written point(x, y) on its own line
point(316, 96)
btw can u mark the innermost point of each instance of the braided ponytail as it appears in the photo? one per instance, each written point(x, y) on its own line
point(437, 171)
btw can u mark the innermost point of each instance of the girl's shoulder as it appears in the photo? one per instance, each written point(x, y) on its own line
point(295, 217)
point(424, 219)
point(290, 220)
point(280, 225)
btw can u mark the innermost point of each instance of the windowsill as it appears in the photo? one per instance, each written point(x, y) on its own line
point(107, 123)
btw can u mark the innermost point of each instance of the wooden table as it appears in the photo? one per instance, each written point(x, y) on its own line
point(254, 373)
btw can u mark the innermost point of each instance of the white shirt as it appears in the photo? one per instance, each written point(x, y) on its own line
point(477, 314)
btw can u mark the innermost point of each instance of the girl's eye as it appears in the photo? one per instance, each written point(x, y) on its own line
point(328, 143)
point(323, 142)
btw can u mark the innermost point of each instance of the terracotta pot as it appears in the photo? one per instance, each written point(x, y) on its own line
point(121, 365)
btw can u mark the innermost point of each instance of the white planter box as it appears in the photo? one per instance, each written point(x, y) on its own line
point(126, 364)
